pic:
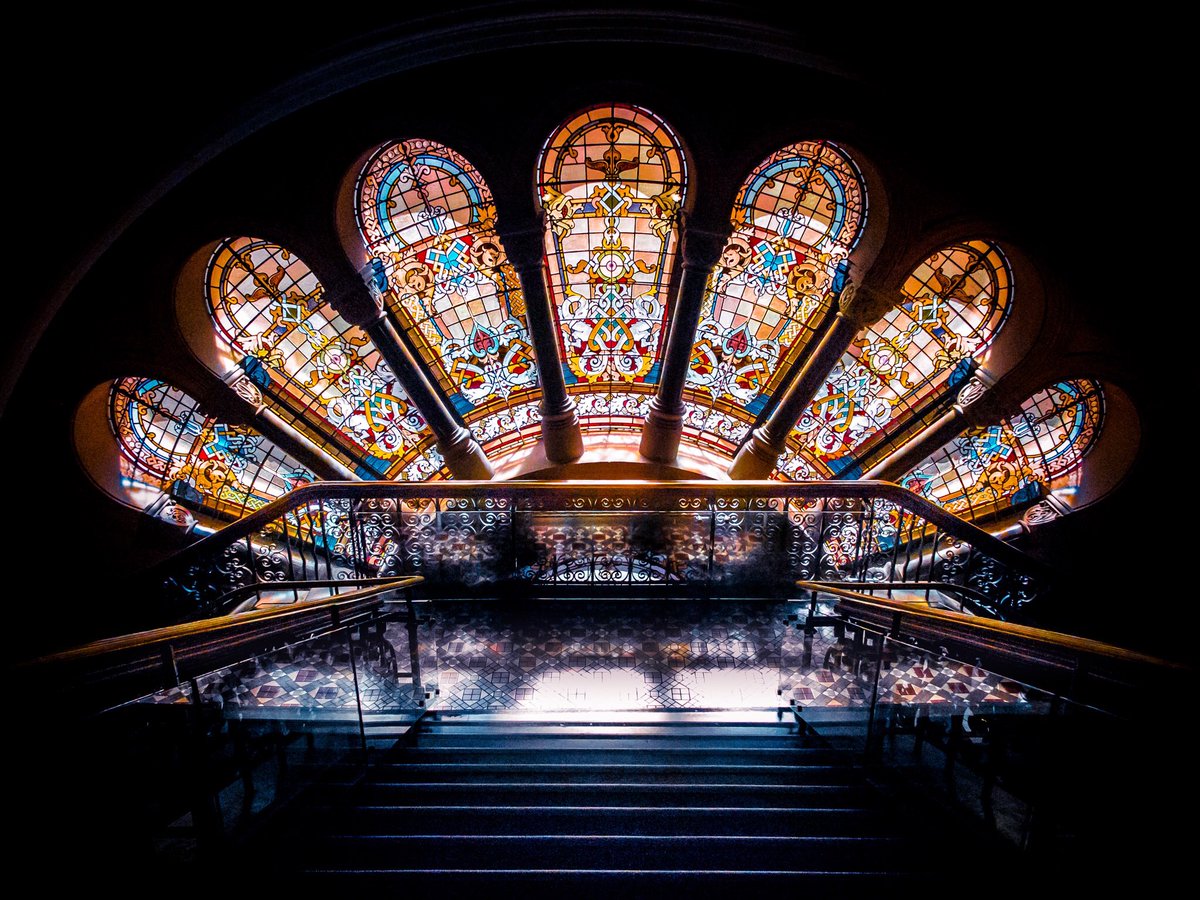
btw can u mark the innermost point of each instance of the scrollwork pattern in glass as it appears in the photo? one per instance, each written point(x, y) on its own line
point(170, 449)
point(612, 181)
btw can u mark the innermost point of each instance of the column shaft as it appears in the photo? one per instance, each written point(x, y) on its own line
point(462, 452)
point(561, 437)
point(896, 466)
point(859, 306)
point(664, 421)
point(758, 456)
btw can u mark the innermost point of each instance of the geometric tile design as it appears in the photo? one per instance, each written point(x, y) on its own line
point(315, 675)
point(592, 655)
point(564, 655)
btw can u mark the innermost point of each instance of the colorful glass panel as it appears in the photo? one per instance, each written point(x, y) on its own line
point(612, 411)
point(168, 444)
point(955, 302)
point(429, 221)
point(1018, 460)
point(612, 181)
point(796, 219)
point(271, 311)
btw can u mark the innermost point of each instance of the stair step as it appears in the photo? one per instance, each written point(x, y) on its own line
point(603, 804)
point(480, 819)
point(582, 755)
point(539, 851)
point(594, 742)
point(509, 793)
point(603, 884)
point(689, 730)
point(594, 772)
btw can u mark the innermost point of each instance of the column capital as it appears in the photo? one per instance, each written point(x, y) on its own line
point(864, 303)
point(973, 390)
point(701, 247)
point(525, 244)
point(977, 402)
point(360, 302)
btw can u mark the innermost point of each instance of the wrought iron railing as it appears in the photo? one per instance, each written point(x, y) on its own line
point(699, 537)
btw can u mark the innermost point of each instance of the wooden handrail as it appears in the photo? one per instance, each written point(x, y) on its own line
point(650, 496)
point(993, 627)
point(220, 625)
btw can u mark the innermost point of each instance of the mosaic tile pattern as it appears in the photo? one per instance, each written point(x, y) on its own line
point(587, 655)
point(834, 673)
point(315, 676)
point(590, 655)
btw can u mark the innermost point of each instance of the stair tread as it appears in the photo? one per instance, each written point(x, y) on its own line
point(613, 795)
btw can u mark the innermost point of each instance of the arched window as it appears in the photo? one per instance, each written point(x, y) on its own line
point(429, 221)
point(908, 362)
point(795, 221)
point(1018, 460)
point(612, 181)
point(168, 446)
point(323, 374)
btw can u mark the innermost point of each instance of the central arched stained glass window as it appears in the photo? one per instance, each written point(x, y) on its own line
point(954, 304)
point(429, 221)
point(167, 444)
point(324, 374)
point(612, 181)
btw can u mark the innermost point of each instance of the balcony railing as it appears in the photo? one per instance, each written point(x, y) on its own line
point(694, 537)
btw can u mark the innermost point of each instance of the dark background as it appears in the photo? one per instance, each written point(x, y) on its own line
point(1058, 133)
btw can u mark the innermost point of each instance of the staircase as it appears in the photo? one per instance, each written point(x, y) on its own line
point(597, 803)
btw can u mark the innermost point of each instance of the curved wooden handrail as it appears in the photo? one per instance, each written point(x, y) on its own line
point(218, 625)
point(996, 628)
point(712, 491)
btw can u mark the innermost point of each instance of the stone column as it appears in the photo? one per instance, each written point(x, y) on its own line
point(561, 437)
point(464, 457)
point(858, 307)
point(973, 395)
point(664, 422)
point(268, 423)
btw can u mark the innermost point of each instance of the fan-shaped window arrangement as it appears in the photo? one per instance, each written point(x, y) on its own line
point(906, 364)
point(306, 362)
point(796, 219)
point(1018, 460)
point(612, 181)
point(429, 221)
point(171, 452)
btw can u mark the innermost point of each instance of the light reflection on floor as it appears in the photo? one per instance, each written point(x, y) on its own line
point(564, 655)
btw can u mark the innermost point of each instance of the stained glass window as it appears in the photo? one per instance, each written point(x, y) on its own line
point(429, 221)
point(954, 304)
point(324, 374)
point(510, 429)
point(1019, 459)
point(167, 444)
point(796, 219)
point(612, 181)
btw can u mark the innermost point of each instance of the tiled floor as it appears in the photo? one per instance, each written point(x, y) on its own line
point(620, 655)
point(316, 675)
point(589, 655)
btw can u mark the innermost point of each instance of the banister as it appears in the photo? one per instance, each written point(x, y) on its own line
point(218, 625)
point(977, 597)
point(995, 628)
point(712, 491)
